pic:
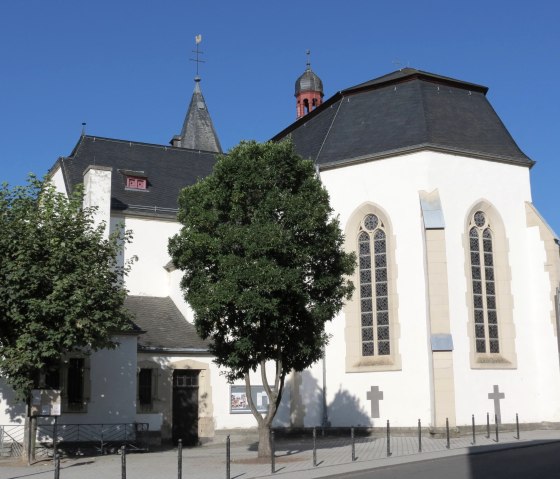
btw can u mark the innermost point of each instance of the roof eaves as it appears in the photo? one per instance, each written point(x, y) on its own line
point(423, 147)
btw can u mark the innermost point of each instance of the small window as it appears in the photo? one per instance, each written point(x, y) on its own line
point(76, 382)
point(136, 183)
point(145, 387)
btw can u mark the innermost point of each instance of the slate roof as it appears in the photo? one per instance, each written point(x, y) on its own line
point(198, 130)
point(402, 112)
point(168, 170)
point(166, 329)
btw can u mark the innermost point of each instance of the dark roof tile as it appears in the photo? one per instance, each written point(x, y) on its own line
point(164, 325)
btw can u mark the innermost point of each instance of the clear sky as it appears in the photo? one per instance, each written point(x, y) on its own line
point(123, 67)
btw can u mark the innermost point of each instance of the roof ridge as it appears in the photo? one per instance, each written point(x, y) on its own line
point(328, 130)
point(141, 143)
point(424, 117)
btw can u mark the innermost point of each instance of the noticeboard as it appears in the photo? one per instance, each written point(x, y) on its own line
point(239, 403)
point(45, 402)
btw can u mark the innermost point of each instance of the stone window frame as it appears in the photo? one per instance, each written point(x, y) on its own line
point(355, 362)
point(155, 369)
point(507, 357)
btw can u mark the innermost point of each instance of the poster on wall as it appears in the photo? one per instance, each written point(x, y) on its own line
point(239, 403)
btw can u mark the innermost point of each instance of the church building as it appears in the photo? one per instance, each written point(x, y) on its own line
point(455, 309)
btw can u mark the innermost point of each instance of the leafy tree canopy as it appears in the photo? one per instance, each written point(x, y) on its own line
point(263, 261)
point(61, 287)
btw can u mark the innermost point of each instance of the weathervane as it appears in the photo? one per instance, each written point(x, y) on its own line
point(197, 39)
point(308, 53)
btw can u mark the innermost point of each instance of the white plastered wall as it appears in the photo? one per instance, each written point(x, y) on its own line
point(393, 184)
point(113, 386)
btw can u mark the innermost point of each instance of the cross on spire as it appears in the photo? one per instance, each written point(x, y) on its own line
point(308, 53)
point(198, 52)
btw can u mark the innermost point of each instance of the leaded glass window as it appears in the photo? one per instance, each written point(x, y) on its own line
point(483, 284)
point(374, 291)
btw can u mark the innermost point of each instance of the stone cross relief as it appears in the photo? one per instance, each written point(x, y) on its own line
point(375, 395)
point(496, 396)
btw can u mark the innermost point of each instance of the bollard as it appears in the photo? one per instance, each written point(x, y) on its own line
point(56, 466)
point(447, 432)
point(496, 421)
point(517, 425)
point(473, 435)
point(314, 447)
point(272, 453)
point(180, 459)
point(228, 457)
point(487, 425)
point(123, 462)
point(55, 433)
point(419, 436)
point(388, 438)
point(353, 444)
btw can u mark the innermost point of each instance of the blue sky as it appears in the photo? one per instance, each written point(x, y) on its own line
point(123, 67)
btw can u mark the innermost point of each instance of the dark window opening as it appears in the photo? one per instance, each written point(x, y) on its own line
point(75, 381)
point(145, 387)
point(306, 106)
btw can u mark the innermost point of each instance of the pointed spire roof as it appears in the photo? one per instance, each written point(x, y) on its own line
point(198, 130)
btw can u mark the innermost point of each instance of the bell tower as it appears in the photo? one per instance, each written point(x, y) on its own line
point(309, 91)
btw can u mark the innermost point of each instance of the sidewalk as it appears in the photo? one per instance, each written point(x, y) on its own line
point(294, 458)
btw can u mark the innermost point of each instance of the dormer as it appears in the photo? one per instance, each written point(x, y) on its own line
point(135, 180)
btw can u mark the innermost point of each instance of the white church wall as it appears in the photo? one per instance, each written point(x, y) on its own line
point(12, 412)
point(57, 179)
point(112, 386)
point(393, 184)
point(150, 236)
point(546, 365)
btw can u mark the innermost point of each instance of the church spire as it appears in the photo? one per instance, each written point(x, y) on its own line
point(198, 130)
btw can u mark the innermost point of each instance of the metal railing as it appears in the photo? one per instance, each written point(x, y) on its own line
point(102, 438)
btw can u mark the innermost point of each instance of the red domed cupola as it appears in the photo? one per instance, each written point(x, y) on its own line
point(309, 91)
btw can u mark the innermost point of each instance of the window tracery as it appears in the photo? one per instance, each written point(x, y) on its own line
point(374, 293)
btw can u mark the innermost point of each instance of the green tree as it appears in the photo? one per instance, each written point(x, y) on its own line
point(264, 266)
point(61, 287)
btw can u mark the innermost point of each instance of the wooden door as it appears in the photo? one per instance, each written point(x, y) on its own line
point(185, 406)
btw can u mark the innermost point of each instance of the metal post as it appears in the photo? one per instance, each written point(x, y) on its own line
point(353, 444)
point(487, 425)
point(314, 447)
point(447, 432)
point(56, 466)
point(473, 434)
point(228, 458)
point(388, 438)
point(419, 436)
point(272, 453)
point(517, 425)
point(1, 439)
point(180, 459)
point(123, 462)
point(55, 432)
point(496, 420)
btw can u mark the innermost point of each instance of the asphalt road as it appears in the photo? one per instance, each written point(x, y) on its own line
point(539, 462)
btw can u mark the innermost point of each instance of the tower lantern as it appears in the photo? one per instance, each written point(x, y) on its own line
point(309, 91)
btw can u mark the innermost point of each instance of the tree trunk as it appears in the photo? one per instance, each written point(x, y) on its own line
point(264, 440)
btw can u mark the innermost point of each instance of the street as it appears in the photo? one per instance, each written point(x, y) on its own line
point(539, 462)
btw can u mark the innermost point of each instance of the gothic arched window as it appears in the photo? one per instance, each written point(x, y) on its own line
point(483, 284)
point(374, 293)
